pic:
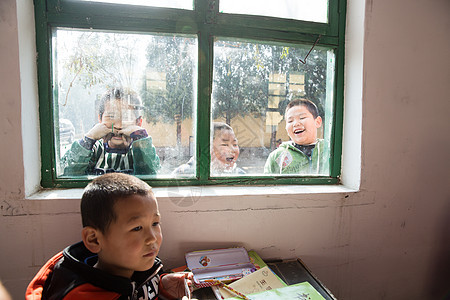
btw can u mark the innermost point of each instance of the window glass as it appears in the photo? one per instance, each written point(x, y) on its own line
point(123, 102)
point(183, 4)
point(305, 10)
point(252, 85)
point(123, 97)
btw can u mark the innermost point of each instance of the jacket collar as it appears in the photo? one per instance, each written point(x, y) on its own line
point(78, 258)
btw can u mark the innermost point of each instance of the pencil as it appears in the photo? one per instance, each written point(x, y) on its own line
point(226, 286)
point(187, 291)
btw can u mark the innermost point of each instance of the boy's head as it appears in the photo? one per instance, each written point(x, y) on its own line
point(117, 109)
point(302, 121)
point(121, 223)
point(225, 149)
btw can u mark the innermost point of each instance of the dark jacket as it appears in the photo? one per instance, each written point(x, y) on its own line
point(70, 275)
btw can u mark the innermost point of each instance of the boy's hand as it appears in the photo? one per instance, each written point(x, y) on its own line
point(173, 283)
point(127, 131)
point(98, 131)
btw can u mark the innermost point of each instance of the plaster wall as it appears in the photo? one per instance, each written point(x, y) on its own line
point(389, 240)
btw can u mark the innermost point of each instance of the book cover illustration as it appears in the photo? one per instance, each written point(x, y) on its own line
point(299, 291)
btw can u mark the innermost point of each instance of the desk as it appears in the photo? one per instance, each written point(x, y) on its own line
point(290, 271)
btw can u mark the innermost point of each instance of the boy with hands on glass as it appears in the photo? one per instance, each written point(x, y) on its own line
point(117, 258)
point(118, 143)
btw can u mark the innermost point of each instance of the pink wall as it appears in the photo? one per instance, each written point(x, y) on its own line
point(390, 240)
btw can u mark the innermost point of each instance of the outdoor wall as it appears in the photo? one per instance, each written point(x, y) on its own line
point(389, 240)
point(250, 132)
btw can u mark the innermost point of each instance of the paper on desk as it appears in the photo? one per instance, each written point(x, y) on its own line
point(261, 280)
point(299, 291)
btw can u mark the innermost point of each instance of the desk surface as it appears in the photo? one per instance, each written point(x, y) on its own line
point(290, 271)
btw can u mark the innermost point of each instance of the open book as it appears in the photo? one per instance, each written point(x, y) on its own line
point(299, 291)
point(262, 280)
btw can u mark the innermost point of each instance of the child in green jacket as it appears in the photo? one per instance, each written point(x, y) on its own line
point(117, 143)
point(304, 153)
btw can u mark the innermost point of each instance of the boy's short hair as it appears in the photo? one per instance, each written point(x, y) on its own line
point(310, 106)
point(99, 197)
point(217, 126)
point(127, 95)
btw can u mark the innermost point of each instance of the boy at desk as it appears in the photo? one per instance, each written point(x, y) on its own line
point(117, 143)
point(304, 153)
point(117, 258)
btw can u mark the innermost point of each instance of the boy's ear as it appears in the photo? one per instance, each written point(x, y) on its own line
point(99, 118)
point(318, 121)
point(91, 239)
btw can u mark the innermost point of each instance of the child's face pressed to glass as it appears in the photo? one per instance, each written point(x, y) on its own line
point(132, 241)
point(301, 126)
point(225, 148)
point(117, 116)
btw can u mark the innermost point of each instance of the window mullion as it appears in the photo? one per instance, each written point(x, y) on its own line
point(339, 98)
point(45, 110)
point(333, 16)
point(205, 59)
point(207, 11)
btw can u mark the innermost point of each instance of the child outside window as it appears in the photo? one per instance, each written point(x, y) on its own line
point(224, 153)
point(117, 143)
point(304, 153)
point(117, 258)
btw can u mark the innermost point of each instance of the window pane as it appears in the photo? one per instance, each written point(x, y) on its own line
point(183, 4)
point(252, 85)
point(305, 10)
point(123, 102)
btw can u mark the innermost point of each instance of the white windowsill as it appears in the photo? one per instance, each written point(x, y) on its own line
point(208, 191)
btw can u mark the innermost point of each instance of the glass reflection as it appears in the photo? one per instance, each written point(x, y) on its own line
point(253, 83)
point(142, 124)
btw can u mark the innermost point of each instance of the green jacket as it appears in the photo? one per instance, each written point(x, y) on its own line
point(287, 159)
point(141, 159)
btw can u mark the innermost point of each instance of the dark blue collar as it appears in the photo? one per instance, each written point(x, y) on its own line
point(306, 149)
point(116, 150)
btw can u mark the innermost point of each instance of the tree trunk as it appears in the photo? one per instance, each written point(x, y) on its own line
point(273, 139)
point(178, 120)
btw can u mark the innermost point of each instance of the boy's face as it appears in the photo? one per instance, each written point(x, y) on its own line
point(225, 148)
point(132, 241)
point(117, 116)
point(301, 125)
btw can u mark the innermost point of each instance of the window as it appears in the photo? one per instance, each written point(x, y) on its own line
point(305, 10)
point(190, 93)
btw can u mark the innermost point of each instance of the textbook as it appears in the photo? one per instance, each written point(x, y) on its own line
point(259, 281)
point(256, 259)
point(299, 291)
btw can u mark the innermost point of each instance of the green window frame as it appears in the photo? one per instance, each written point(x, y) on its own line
point(206, 22)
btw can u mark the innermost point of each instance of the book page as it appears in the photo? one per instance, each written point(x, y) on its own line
point(300, 291)
point(262, 280)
